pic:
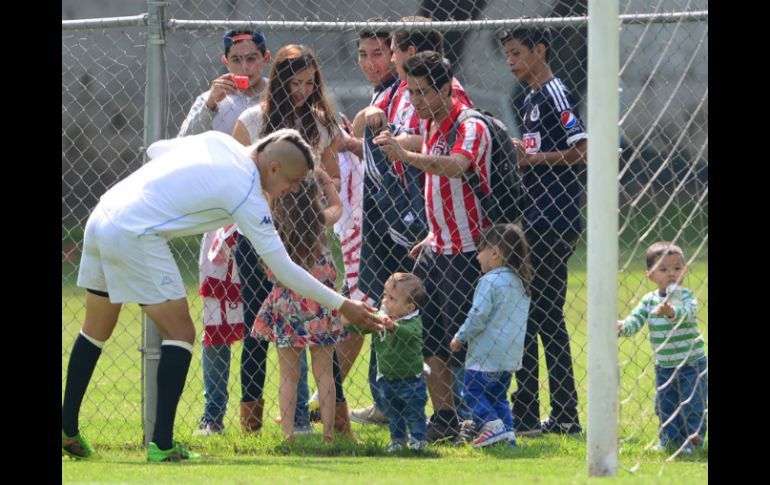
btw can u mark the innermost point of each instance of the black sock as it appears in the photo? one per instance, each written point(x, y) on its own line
point(172, 374)
point(253, 368)
point(79, 371)
point(337, 373)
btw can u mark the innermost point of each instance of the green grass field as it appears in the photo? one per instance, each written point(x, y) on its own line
point(111, 415)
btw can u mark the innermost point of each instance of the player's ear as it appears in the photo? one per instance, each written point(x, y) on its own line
point(224, 59)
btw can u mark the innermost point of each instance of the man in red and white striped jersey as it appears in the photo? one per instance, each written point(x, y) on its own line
point(387, 253)
point(446, 259)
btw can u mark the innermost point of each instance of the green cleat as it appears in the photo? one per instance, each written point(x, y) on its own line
point(175, 454)
point(76, 447)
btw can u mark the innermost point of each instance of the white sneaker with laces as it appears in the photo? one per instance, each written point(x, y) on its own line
point(208, 430)
point(491, 433)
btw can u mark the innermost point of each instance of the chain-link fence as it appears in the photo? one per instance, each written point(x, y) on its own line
point(663, 175)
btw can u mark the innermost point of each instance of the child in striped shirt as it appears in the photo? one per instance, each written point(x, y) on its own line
point(681, 367)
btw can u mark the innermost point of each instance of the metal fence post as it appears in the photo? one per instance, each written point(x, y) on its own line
point(155, 103)
point(602, 257)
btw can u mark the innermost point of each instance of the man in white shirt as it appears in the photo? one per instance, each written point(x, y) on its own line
point(192, 185)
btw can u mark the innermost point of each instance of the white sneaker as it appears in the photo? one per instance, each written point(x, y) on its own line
point(417, 444)
point(491, 433)
point(394, 446)
point(209, 429)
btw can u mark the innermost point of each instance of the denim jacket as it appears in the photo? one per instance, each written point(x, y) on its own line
point(497, 323)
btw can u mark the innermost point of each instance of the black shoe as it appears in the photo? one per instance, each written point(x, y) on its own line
point(550, 425)
point(440, 430)
point(467, 434)
point(528, 429)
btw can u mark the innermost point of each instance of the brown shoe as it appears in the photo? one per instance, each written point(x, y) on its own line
point(342, 422)
point(251, 415)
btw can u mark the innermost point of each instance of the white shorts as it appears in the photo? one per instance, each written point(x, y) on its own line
point(128, 267)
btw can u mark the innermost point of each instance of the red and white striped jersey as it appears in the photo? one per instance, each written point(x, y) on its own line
point(455, 217)
point(404, 118)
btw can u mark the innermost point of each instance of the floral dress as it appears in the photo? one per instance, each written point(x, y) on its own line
point(291, 320)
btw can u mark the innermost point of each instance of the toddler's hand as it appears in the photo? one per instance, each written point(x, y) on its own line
point(455, 345)
point(665, 309)
point(388, 322)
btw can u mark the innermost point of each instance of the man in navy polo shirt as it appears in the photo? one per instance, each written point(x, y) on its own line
point(552, 156)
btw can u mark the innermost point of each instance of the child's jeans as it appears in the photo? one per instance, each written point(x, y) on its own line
point(486, 394)
point(681, 402)
point(461, 407)
point(404, 402)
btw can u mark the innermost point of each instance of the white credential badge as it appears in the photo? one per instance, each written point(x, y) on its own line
point(531, 142)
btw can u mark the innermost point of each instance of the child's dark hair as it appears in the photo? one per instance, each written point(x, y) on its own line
point(412, 285)
point(299, 221)
point(510, 241)
point(660, 249)
point(530, 37)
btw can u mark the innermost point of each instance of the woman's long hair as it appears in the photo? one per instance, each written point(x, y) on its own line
point(278, 108)
point(298, 220)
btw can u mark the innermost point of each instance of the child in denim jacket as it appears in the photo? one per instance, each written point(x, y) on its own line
point(494, 331)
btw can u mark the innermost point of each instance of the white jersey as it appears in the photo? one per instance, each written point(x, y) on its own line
point(192, 185)
point(200, 183)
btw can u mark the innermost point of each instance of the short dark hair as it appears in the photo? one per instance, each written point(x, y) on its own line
point(530, 37)
point(430, 40)
point(430, 65)
point(294, 137)
point(235, 36)
point(374, 34)
point(661, 249)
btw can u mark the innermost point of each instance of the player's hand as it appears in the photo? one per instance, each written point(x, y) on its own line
point(220, 87)
point(375, 118)
point(361, 315)
point(455, 345)
point(619, 326)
